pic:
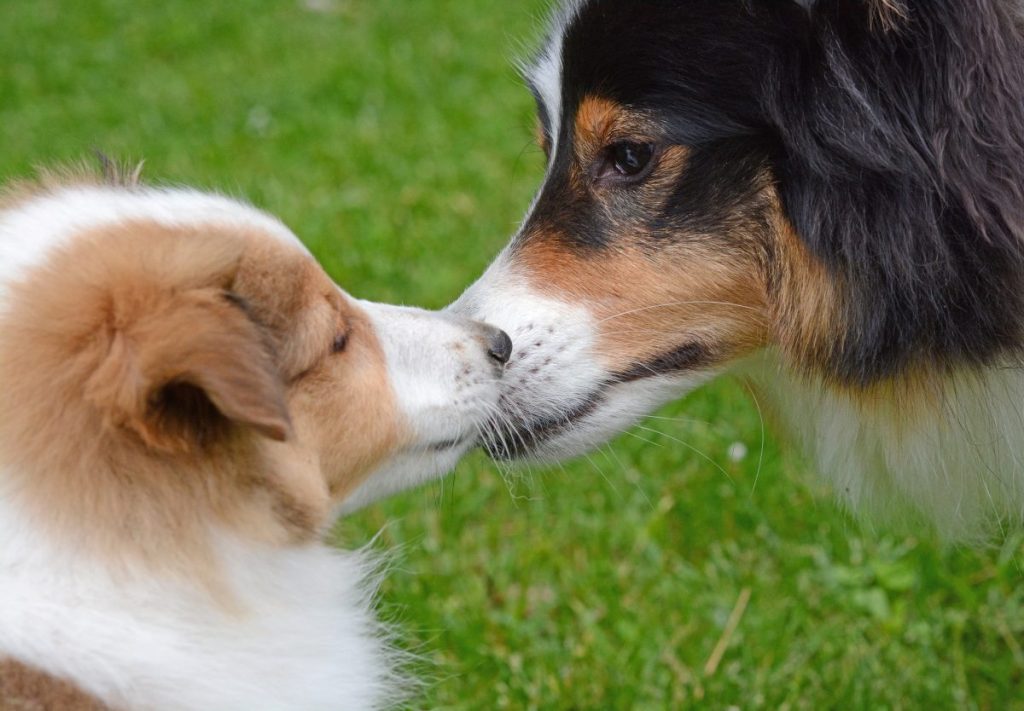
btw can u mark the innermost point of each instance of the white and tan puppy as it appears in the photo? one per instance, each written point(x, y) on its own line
point(187, 401)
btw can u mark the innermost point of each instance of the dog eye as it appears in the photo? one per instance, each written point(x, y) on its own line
point(340, 341)
point(631, 158)
point(627, 159)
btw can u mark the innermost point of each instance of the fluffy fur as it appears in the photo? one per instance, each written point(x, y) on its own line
point(834, 193)
point(188, 401)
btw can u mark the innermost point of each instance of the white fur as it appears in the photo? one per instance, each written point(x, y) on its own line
point(958, 466)
point(304, 636)
point(30, 231)
point(546, 75)
point(544, 69)
point(446, 387)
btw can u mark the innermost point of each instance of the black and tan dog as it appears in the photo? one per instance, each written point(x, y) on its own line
point(824, 196)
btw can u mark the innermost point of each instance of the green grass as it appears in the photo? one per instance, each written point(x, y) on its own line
point(395, 138)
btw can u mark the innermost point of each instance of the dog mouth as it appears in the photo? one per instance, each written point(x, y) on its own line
point(448, 445)
point(465, 440)
point(519, 438)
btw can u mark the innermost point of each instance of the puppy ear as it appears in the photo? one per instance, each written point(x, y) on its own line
point(181, 369)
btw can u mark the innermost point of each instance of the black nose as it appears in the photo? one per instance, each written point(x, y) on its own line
point(499, 345)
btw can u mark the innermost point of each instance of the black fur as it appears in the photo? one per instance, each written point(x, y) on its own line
point(903, 169)
point(898, 151)
point(688, 356)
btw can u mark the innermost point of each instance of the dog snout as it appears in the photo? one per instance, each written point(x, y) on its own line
point(497, 343)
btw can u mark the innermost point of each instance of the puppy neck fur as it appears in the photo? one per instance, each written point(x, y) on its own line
point(302, 629)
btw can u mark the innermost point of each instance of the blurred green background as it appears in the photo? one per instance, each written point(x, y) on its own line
point(395, 138)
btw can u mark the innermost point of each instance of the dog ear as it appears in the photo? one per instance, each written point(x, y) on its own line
point(900, 164)
point(183, 368)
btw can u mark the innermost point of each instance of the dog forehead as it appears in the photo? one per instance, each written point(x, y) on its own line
point(697, 63)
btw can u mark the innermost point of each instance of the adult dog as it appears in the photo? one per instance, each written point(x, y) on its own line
point(825, 197)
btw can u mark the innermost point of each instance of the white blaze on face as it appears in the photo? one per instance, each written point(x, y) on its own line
point(545, 76)
point(544, 71)
point(549, 338)
point(446, 386)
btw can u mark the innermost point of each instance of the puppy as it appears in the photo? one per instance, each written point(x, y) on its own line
point(825, 197)
point(188, 400)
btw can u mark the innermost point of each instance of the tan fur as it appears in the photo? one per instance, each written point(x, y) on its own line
point(344, 400)
point(541, 137)
point(48, 179)
point(887, 15)
point(25, 689)
point(766, 289)
point(807, 304)
point(298, 306)
point(345, 404)
point(806, 301)
point(197, 388)
point(596, 121)
point(601, 123)
point(647, 306)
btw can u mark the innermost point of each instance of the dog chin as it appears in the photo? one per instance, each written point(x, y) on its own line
point(410, 468)
point(586, 424)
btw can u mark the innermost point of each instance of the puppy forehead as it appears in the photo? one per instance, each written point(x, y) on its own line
point(276, 271)
point(54, 217)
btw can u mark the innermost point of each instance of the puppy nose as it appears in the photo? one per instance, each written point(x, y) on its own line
point(499, 345)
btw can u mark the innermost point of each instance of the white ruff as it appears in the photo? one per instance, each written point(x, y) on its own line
point(958, 465)
point(303, 638)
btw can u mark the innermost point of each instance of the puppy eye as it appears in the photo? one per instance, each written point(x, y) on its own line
point(340, 341)
point(627, 159)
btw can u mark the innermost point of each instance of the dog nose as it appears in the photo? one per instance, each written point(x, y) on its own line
point(499, 345)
